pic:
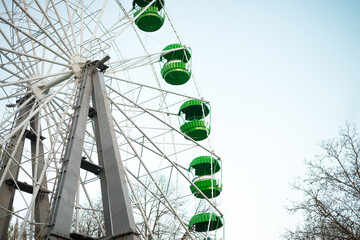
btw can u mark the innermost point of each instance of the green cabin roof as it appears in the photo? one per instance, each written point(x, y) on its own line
point(144, 3)
point(182, 54)
point(202, 165)
point(194, 109)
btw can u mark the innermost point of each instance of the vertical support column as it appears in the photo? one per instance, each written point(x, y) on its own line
point(119, 219)
point(63, 207)
point(42, 205)
point(15, 149)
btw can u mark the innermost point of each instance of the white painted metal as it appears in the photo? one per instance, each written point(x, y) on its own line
point(42, 45)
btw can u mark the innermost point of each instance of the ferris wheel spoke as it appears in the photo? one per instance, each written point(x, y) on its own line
point(68, 125)
point(15, 95)
point(82, 26)
point(33, 113)
point(53, 137)
point(112, 28)
point(33, 79)
point(132, 65)
point(70, 17)
point(36, 33)
point(141, 144)
point(12, 63)
point(33, 47)
point(96, 26)
point(21, 127)
point(52, 110)
point(150, 175)
point(19, 108)
point(148, 109)
point(35, 191)
point(64, 110)
point(28, 36)
point(64, 29)
point(162, 153)
point(151, 114)
point(130, 23)
point(147, 86)
point(41, 28)
point(12, 74)
point(19, 39)
point(145, 59)
point(43, 56)
point(18, 164)
point(52, 25)
point(34, 57)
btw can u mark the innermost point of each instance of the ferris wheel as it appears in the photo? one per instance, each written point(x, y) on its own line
point(104, 133)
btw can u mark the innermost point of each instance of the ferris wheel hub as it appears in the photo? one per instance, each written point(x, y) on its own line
point(76, 63)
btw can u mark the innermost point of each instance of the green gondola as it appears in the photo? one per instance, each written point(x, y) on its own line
point(150, 20)
point(205, 167)
point(204, 222)
point(176, 70)
point(195, 125)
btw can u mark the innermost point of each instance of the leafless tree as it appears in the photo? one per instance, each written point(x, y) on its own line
point(13, 231)
point(162, 222)
point(88, 225)
point(157, 211)
point(331, 206)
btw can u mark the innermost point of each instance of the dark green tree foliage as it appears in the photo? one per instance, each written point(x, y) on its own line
point(331, 207)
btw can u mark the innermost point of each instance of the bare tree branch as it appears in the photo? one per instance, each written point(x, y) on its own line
point(331, 191)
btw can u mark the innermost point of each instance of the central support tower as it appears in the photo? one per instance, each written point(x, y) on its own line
point(119, 220)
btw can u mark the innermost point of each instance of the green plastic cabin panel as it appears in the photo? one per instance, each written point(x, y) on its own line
point(196, 130)
point(150, 20)
point(194, 109)
point(202, 165)
point(210, 187)
point(143, 3)
point(175, 73)
point(181, 54)
point(206, 222)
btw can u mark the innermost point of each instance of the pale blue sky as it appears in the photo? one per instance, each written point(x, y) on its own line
point(281, 76)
